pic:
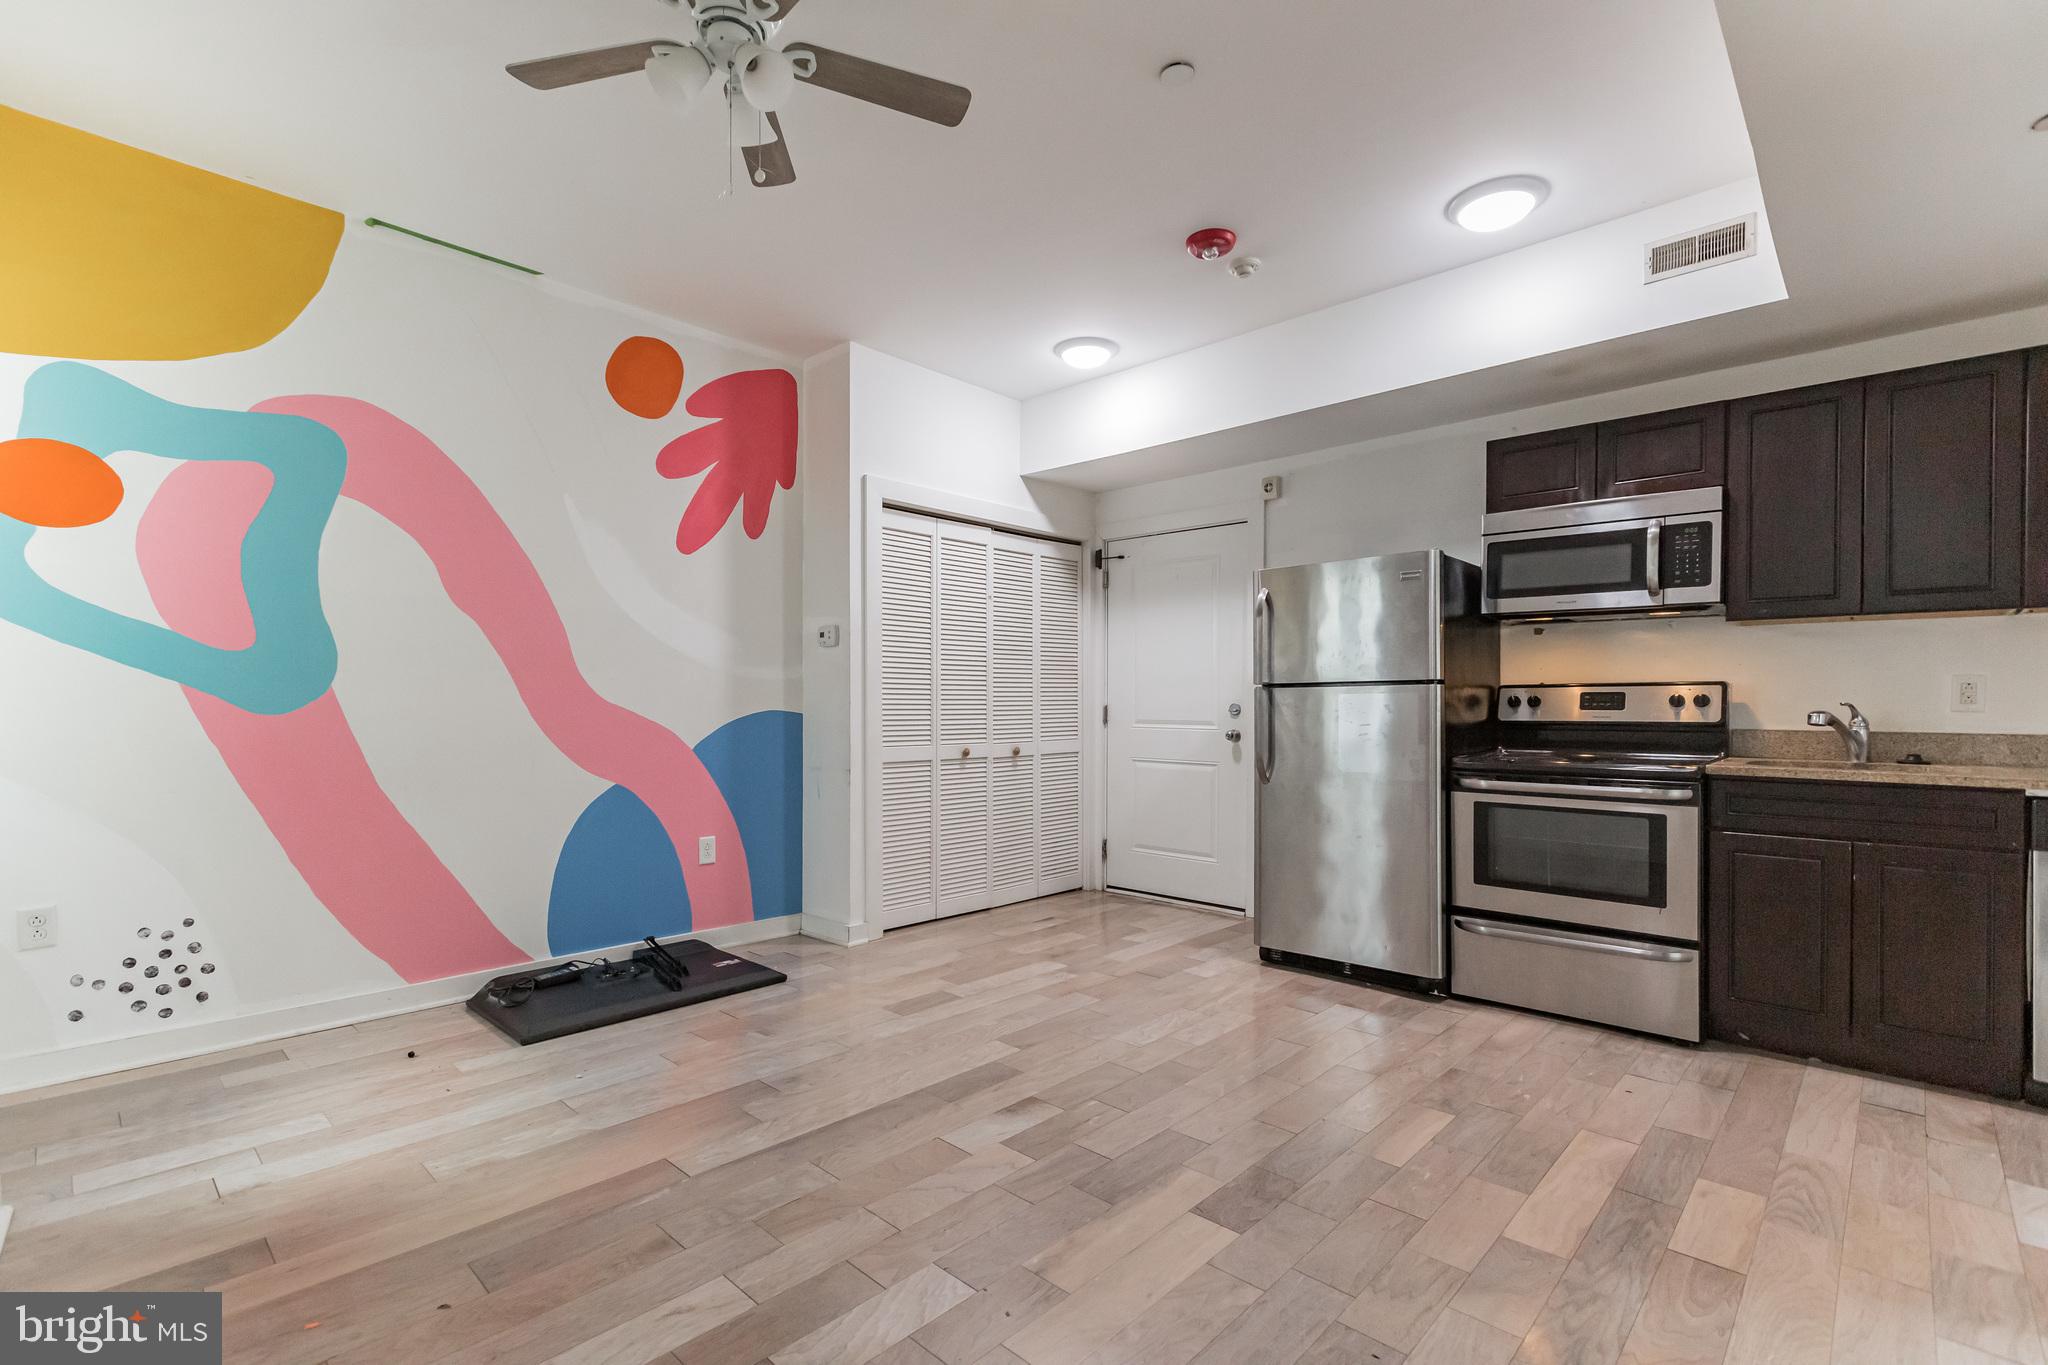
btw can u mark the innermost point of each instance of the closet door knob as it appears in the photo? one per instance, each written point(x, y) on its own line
point(965, 753)
point(1016, 750)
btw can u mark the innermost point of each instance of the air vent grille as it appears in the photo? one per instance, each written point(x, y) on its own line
point(1716, 245)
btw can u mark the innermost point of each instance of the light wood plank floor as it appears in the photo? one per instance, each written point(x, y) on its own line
point(1083, 1129)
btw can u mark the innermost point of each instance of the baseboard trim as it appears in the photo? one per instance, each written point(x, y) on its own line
point(90, 1060)
point(837, 931)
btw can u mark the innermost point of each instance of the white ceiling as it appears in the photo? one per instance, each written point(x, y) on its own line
point(1329, 142)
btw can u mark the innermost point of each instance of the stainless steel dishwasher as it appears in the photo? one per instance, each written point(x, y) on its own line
point(2037, 946)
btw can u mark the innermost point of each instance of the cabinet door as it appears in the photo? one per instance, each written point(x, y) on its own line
point(1540, 470)
point(2037, 478)
point(1795, 503)
point(1778, 943)
point(1662, 452)
point(1944, 481)
point(1941, 985)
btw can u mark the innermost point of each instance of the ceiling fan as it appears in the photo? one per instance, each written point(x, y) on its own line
point(734, 50)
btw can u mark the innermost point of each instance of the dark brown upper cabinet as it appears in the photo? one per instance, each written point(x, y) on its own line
point(1662, 452)
point(1944, 477)
point(1540, 470)
point(2037, 478)
point(1795, 503)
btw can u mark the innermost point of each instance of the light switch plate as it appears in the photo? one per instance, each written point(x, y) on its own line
point(707, 850)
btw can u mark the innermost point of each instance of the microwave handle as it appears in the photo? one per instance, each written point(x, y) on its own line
point(1653, 557)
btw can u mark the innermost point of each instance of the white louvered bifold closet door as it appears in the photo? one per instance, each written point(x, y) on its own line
point(909, 785)
point(980, 718)
point(1059, 719)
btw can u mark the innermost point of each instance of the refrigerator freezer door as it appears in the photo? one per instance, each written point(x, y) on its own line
point(1350, 825)
point(1355, 620)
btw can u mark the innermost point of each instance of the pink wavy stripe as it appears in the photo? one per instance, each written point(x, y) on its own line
point(397, 472)
point(304, 772)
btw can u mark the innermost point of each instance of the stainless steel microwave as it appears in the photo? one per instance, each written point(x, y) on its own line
point(1660, 551)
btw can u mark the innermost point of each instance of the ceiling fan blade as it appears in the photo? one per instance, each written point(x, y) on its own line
point(782, 9)
point(768, 163)
point(573, 68)
point(892, 88)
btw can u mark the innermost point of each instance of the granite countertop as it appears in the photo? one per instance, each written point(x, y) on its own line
point(2004, 777)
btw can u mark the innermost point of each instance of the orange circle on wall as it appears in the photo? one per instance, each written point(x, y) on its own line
point(645, 376)
point(54, 483)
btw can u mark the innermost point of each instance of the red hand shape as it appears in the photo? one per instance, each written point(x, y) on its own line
point(750, 451)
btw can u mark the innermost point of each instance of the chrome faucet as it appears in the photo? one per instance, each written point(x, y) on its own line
point(1855, 734)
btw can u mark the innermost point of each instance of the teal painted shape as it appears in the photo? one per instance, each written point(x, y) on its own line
point(617, 878)
point(293, 660)
point(758, 763)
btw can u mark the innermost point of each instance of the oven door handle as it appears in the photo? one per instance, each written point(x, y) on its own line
point(1669, 795)
point(1645, 951)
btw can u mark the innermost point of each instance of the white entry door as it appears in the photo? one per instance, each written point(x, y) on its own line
point(1180, 761)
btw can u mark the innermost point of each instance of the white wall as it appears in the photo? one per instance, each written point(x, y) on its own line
point(879, 427)
point(121, 810)
point(1428, 489)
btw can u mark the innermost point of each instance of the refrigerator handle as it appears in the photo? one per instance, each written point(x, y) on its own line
point(1262, 733)
point(1262, 635)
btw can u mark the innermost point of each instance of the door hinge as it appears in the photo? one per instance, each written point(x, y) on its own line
point(1105, 713)
point(1105, 852)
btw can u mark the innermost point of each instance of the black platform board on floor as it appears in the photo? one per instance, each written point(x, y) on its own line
point(598, 998)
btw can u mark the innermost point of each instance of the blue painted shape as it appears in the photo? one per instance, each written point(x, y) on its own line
point(617, 878)
point(293, 660)
point(757, 762)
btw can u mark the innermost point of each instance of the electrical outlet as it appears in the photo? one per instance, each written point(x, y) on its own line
point(707, 850)
point(35, 928)
point(1966, 692)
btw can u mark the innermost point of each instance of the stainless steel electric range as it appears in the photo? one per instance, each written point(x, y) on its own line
point(1576, 852)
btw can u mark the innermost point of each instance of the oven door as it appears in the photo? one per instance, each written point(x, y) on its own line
point(1611, 566)
point(1625, 858)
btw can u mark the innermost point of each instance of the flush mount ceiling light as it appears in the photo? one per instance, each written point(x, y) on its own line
point(1085, 353)
point(1492, 205)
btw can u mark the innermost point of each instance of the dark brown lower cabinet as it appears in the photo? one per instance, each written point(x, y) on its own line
point(1899, 958)
point(1778, 942)
point(1941, 968)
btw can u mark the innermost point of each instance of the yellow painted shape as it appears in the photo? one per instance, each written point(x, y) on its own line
point(108, 252)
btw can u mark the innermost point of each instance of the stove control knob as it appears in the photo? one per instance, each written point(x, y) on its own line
point(1677, 702)
point(1514, 701)
point(1702, 700)
point(1535, 702)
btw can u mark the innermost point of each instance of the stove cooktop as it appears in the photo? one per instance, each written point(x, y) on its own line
point(1630, 731)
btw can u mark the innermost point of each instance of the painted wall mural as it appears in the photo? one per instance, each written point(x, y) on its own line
point(236, 549)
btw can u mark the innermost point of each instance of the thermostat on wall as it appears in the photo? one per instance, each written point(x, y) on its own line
point(828, 636)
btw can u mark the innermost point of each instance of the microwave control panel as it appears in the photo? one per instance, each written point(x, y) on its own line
point(1688, 555)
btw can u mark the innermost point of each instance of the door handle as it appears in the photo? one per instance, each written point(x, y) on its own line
point(1016, 750)
point(1233, 735)
point(1262, 635)
point(1653, 559)
point(1646, 951)
point(1668, 795)
point(1262, 758)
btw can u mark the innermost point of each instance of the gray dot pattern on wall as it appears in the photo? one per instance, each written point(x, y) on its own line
point(130, 970)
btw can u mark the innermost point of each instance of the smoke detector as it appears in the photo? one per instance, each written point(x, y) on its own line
point(1244, 267)
point(1210, 243)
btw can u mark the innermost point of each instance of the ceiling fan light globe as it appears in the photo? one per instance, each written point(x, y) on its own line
point(766, 76)
point(678, 75)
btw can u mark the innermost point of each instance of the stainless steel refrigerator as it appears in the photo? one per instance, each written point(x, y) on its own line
point(1370, 672)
